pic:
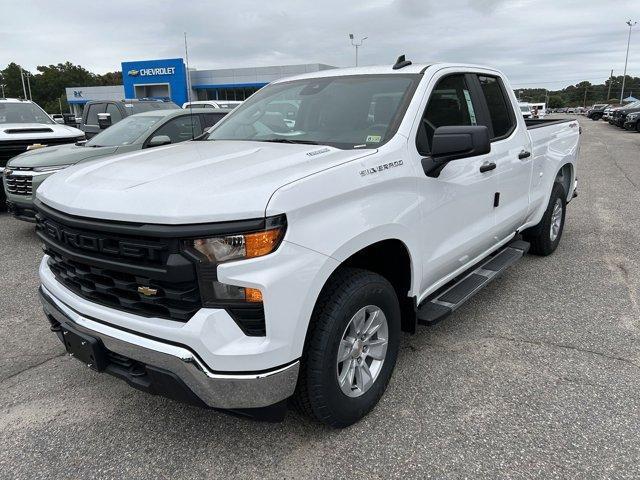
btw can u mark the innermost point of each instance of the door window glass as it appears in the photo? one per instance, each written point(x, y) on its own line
point(92, 114)
point(499, 106)
point(180, 129)
point(450, 104)
point(113, 109)
point(210, 119)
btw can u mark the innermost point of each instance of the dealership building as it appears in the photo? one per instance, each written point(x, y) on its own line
point(169, 79)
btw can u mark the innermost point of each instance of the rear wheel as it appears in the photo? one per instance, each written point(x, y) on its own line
point(545, 236)
point(351, 348)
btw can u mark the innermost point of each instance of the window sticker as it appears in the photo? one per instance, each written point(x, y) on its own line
point(472, 113)
point(373, 139)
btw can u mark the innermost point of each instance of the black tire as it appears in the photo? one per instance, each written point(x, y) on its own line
point(318, 393)
point(540, 235)
point(638, 126)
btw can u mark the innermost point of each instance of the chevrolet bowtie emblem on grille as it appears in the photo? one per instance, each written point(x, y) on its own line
point(147, 291)
point(35, 146)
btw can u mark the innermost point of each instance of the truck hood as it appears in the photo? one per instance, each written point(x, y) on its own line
point(68, 154)
point(39, 131)
point(191, 182)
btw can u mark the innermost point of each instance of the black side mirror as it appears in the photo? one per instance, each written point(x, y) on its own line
point(455, 142)
point(104, 120)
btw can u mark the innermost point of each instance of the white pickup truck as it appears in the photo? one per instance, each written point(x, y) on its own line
point(271, 261)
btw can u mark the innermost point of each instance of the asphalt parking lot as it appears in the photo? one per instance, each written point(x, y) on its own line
point(538, 376)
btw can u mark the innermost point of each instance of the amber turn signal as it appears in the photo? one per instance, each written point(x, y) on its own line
point(252, 295)
point(261, 243)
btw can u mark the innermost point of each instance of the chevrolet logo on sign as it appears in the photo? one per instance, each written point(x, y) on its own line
point(147, 291)
point(133, 73)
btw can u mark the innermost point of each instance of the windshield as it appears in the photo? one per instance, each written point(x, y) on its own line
point(345, 112)
point(23, 112)
point(125, 132)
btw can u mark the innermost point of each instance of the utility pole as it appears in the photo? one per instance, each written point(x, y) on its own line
point(2, 86)
point(584, 101)
point(356, 44)
point(60, 105)
point(610, 82)
point(29, 85)
point(624, 75)
point(24, 89)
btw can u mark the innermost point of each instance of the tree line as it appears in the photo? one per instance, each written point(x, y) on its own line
point(582, 93)
point(48, 83)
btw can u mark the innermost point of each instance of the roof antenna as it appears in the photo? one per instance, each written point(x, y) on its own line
point(186, 54)
point(401, 63)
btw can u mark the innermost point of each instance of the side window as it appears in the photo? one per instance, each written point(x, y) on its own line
point(92, 114)
point(179, 129)
point(499, 106)
point(449, 105)
point(113, 109)
point(210, 119)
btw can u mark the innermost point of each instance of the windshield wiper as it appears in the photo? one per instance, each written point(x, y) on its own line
point(288, 140)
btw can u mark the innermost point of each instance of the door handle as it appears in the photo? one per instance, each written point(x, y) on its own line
point(486, 167)
point(524, 154)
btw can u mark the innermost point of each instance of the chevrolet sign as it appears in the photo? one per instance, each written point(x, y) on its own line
point(151, 72)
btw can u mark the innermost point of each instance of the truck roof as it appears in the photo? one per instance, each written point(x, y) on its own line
point(414, 68)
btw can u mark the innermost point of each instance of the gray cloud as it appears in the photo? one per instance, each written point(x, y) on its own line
point(543, 42)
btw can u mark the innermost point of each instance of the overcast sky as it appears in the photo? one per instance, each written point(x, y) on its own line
point(546, 43)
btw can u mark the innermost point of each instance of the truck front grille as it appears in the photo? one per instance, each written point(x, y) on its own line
point(143, 275)
point(19, 184)
point(176, 301)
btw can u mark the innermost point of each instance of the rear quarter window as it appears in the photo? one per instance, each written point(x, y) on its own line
point(499, 105)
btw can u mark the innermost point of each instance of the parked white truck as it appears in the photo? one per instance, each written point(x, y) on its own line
point(272, 260)
point(25, 126)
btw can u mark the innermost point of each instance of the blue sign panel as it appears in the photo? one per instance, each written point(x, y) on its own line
point(155, 78)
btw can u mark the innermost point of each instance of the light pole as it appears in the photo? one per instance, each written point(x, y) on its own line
point(356, 44)
point(624, 75)
point(610, 82)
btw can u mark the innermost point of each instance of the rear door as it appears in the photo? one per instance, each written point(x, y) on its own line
point(457, 205)
point(510, 151)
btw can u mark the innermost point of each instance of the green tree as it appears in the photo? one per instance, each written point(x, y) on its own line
point(555, 101)
point(10, 77)
point(48, 85)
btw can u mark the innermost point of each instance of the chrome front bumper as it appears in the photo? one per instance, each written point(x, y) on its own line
point(217, 390)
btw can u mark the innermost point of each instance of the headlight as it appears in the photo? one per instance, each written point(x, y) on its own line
point(52, 168)
point(211, 251)
point(241, 246)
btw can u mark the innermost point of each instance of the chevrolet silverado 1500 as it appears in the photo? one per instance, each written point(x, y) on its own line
point(271, 261)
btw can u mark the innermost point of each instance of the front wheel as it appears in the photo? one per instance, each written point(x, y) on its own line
point(545, 236)
point(351, 348)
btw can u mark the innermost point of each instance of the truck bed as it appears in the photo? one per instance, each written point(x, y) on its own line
point(543, 122)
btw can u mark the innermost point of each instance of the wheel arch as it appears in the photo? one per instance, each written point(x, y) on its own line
point(566, 176)
point(389, 257)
